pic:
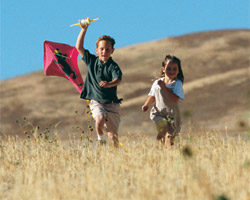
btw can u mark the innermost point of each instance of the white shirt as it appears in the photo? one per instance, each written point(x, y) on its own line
point(176, 87)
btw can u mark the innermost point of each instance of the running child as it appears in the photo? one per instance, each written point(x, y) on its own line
point(165, 93)
point(100, 87)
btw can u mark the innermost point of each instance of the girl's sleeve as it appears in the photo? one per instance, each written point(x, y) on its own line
point(153, 89)
point(178, 89)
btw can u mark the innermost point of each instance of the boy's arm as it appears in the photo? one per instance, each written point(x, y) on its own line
point(110, 84)
point(149, 101)
point(80, 40)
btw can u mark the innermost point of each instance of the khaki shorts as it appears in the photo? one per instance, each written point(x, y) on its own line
point(111, 112)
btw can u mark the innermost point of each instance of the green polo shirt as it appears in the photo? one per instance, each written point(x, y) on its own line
point(96, 73)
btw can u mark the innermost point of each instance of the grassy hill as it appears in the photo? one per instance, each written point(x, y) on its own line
point(216, 69)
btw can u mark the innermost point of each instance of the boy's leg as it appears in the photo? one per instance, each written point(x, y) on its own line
point(99, 124)
point(112, 122)
point(99, 116)
point(107, 115)
point(114, 138)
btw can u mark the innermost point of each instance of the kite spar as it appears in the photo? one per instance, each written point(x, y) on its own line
point(84, 21)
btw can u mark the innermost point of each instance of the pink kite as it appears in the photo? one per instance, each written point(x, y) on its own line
point(61, 60)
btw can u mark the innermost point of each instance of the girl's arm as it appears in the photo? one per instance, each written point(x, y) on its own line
point(80, 39)
point(169, 93)
point(149, 101)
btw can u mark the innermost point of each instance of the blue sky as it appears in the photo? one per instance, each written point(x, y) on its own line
point(26, 24)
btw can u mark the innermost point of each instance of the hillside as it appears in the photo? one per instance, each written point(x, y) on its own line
point(216, 69)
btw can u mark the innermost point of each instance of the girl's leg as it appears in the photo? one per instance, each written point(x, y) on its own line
point(169, 139)
point(161, 129)
point(172, 138)
point(166, 139)
point(160, 137)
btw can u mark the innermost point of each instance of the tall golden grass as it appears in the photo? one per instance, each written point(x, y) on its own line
point(207, 166)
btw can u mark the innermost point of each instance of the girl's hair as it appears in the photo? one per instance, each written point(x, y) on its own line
point(107, 38)
point(176, 60)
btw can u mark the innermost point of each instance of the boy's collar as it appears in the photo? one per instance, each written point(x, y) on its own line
point(104, 63)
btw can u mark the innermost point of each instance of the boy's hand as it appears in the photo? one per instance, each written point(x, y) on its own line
point(104, 84)
point(110, 84)
point(85, 26)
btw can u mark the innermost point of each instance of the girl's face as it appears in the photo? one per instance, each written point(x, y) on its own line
point(104, 50)
point(171, 70)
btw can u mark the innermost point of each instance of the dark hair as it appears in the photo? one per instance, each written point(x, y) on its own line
point(107, 38)
point(178, 62)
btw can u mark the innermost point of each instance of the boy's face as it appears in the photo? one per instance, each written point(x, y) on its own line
point(104, 50)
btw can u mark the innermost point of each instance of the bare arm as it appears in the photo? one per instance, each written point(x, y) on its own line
point(149, 101)
point(169, 93)
point(80, 40)
point(110, 84)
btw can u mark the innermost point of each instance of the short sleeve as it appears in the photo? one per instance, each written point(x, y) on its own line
point(153, 89)
point(87, 57)
point(116, 72)
point(178, 89)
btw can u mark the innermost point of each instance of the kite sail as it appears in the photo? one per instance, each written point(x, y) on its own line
point(61, 60)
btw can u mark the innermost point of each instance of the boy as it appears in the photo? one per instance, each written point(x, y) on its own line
point(103, 77)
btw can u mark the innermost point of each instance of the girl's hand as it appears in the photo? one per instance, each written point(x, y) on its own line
point(161, 83)
point(149, 101)
point(144, 108)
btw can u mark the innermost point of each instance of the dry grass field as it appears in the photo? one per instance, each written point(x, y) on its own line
point(49, 151)
point(206, 167)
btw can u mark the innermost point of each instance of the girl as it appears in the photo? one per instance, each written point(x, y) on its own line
point(166, 92)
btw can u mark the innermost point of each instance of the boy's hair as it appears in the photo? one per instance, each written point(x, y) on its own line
point(178, 62)
point(107, 38)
